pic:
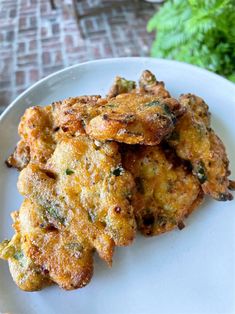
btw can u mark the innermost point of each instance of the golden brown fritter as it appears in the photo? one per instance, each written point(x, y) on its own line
point(136, 116)
point(80, 191)
point(121, 86)
point(25, 273)
point(166, 192)
point(194, 140)
point(198, 106)
point(64, 257)
point(40, 254)
point(84, 188)
point(135, 119)
point(37, 142)
point(149, 84)
point(40, 128)
point(20, 157)
point(72, 114)
point(130, 118)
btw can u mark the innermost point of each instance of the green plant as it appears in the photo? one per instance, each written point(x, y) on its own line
point(200, 32)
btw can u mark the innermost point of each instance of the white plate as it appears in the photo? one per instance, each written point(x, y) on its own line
point(182, 272)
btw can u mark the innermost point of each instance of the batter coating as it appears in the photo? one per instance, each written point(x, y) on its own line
point(166, 191)
point(135, 119)
point(194, 140)
point(44, 255)
point(84, 188)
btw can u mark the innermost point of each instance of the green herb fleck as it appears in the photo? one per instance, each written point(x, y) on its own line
point(200, 128)
point(54, 213)
point(111, 105)
point(18, 255)
point(69, 171)
point(161, 220)
point(153, 103)
point(201, 172)
point(125, 85)
point(76, 248)
point(118, 171)
point(166, 109)
point(91, 216)
point(168, 112)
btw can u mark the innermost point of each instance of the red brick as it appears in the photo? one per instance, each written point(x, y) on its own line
point(58, 57)
point(69, 40)
point(89, 25)
point(12, 13)
point(33, 75)
point(55, 29)
point(96, 52)
point(51, 44)
point(33, 21)
point(46, 57)
point(43, 31)
point(10, 36)
point(20, 77)
point(108, 50)
point(26, 60)
point(32, 45)
point(21, 47)
point(22, 22)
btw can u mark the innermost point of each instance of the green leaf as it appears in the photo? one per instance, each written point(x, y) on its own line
point(55, 214)
point(153, 103)
point(69, 171)
point(118, 171)
point(198, 32)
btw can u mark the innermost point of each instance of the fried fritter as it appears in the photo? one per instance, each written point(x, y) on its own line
point(66, 258)
point(20, 157)
point(121, 86)
point(166, 192)
point(149, 84)
point(25, 273)
point(135, 119)
point(130, 118)
point(136, 116)
point(37, 142)
point(82, 194)
point(46, 255)
point(72, 114)
point(84, 188)
point(40, 128)
point(194, 140)
point(198, 106)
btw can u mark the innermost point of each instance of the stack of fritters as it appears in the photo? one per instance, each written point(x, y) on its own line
point(93, 170)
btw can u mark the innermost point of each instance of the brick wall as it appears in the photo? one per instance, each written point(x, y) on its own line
point(36, 40)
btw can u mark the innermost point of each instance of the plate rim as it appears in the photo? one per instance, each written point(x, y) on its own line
point(108, 60)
